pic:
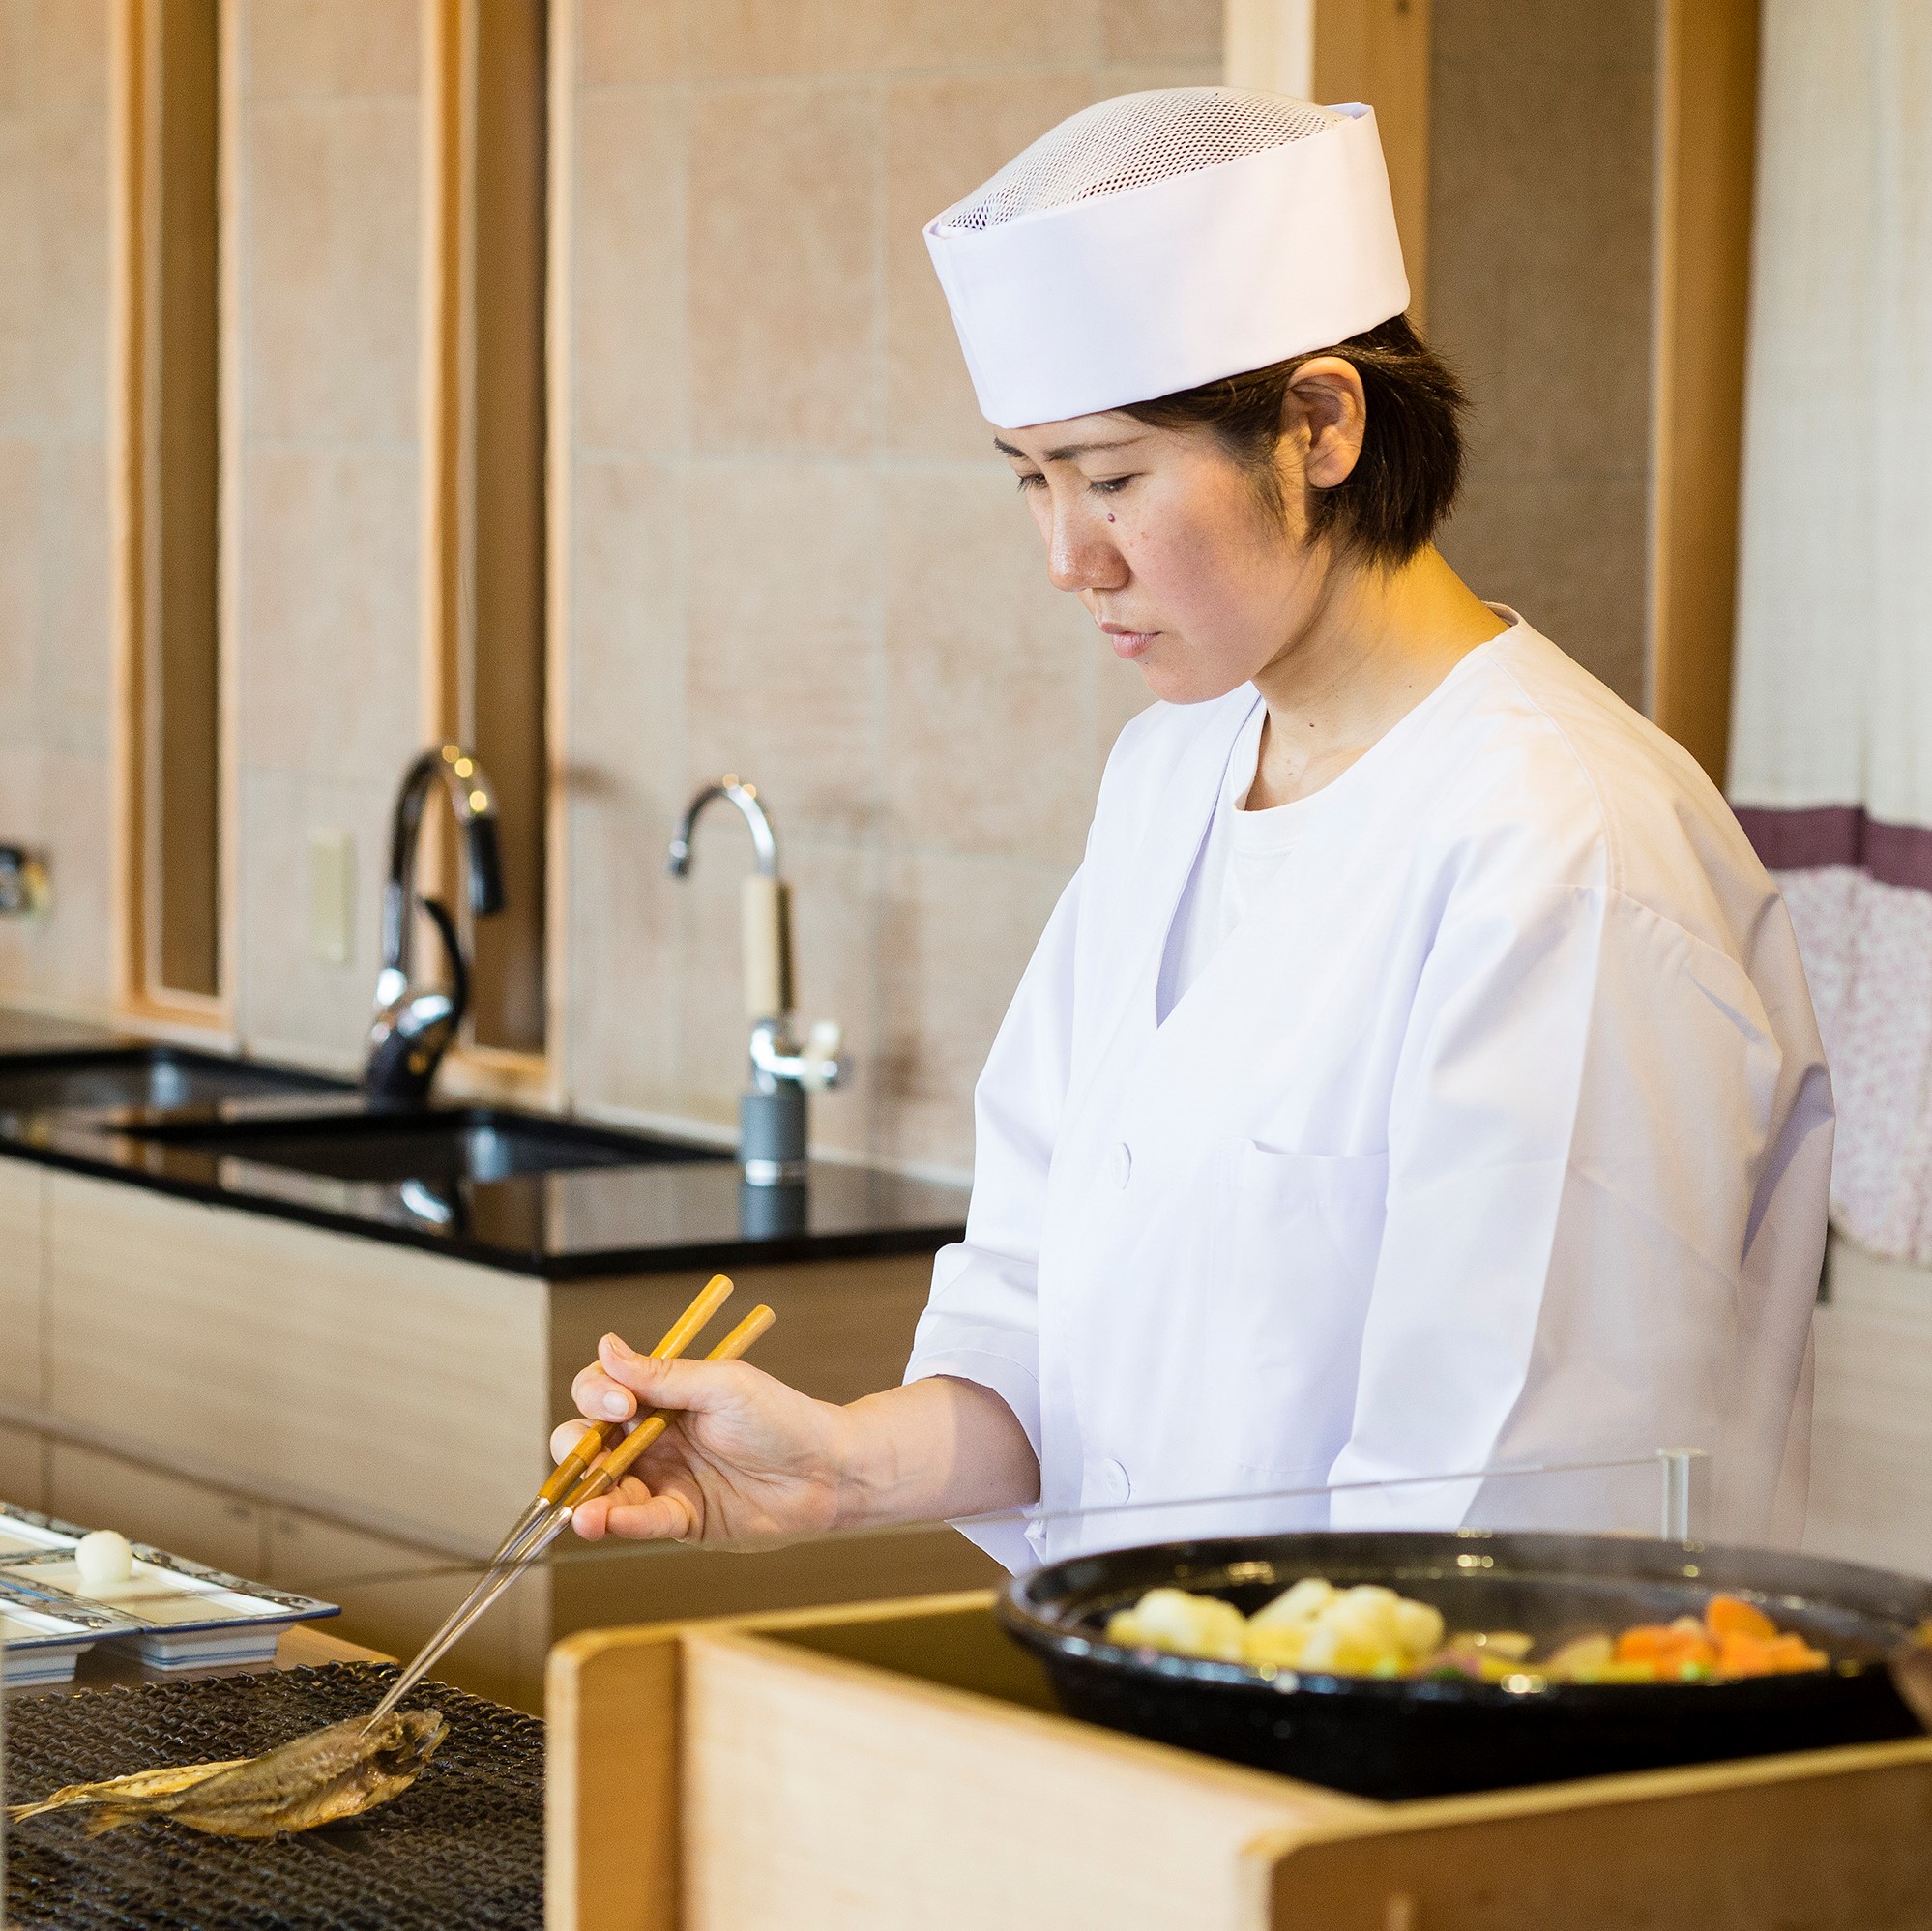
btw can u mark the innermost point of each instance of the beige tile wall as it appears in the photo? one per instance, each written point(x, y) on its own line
point(327, 655)
point(794, 554)
point(1542, 134)
point(54, 657)
point(792, 551)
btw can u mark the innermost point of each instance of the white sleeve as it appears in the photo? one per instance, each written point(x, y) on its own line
point(1589, 1108)
point(982, 1323)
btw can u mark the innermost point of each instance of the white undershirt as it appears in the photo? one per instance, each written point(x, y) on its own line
point(1241, 861)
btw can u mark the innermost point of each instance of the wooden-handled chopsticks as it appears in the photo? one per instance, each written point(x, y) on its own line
point(601, 1436)
point(602, 1456)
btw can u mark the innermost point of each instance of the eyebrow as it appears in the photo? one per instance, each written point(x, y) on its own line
point(1066, 451)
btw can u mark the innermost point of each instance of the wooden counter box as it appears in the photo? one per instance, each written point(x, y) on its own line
point(901, 1766)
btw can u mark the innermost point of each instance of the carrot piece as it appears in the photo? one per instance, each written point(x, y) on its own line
point(1647, 1643)
point(1669, 1651)
point(1729, 1616)
point(1792, 1653)
point(1745, 1656)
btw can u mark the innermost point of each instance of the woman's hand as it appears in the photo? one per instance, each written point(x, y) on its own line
point(747, 1456)
point(744, 1455)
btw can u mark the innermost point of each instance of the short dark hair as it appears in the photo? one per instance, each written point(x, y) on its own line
point(1406, 478)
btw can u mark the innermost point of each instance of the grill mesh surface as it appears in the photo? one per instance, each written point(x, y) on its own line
point(464, 1846)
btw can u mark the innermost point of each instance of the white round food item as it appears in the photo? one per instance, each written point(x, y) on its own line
point(1366, 1616)
point(1275, 1646)
point(1194, 1626)
point(1301, 1604)
point(103, 1558)
point(1418, 1627)
point(1332, 1646)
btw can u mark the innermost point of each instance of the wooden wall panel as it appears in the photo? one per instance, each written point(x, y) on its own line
point(508, 672)
point(1378, 51)
point(183, 846)
point(171, 734)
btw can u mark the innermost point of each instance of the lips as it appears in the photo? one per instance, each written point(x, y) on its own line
point(1127, 644)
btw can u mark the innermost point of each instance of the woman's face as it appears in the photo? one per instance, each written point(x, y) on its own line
point(1169, 543)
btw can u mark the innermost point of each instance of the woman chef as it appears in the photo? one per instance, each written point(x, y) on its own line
point(1418, 1076)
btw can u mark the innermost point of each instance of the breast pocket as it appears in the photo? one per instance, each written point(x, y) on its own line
point(1297, 1239)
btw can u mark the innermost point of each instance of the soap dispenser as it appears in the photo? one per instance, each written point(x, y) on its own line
point(772, 1114)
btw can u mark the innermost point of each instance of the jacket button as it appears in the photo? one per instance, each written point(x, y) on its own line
point(1120, 1164)
point(1113, 1482)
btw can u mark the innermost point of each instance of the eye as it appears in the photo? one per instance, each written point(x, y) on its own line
point(1031, 479)
point(1109, 485)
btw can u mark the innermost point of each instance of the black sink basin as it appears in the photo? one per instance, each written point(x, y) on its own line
point(438, 1146)
point(161, 1079)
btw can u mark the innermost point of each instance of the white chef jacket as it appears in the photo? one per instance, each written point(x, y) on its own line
point(1240, 859)
point(1499, 1135)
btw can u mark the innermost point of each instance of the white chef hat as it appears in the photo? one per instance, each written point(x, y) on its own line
point(1159, 240)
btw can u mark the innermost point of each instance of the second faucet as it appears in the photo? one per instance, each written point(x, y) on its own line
point(772, 1117)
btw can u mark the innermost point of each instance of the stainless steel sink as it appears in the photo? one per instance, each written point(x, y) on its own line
point(158, 1078)
point(436, 1147)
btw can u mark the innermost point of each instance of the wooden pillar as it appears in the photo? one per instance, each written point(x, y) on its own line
point(1708, 77)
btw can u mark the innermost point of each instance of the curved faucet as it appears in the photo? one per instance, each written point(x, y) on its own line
point(412, 1029)
point(772, 1116)
point(764, 841)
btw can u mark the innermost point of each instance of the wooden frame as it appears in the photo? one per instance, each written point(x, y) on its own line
point(1707, 132)
point(129, 85)
point(447, 393)
point(449, 166)
point(136, 30)
point(892, 1764)
point(559, 418)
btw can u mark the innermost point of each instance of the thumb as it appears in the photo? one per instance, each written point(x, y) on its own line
point(691, 1386)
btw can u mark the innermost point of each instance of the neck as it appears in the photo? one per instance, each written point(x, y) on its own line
point(1375, 643)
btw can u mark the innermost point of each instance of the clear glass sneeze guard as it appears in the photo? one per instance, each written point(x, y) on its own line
point(1664, 1494)
point(392, 1597)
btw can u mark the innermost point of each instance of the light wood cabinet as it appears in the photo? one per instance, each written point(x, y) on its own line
point(20, 1187)
point(1871, 1447)
point(360, 1421)
point(402, 1390)
point(194, 1519)
point(898, 1765)
point(22, 1467)
point(394, 1386)
point(395, 1595)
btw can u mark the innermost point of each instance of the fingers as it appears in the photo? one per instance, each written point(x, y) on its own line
point(565, 1437)
point(623, 1376)
point(597, 1395)
point(633, 1514)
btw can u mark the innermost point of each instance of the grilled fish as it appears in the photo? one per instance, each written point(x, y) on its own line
point(320, 1778)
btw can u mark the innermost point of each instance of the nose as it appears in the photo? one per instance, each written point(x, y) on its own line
point(1079, 553)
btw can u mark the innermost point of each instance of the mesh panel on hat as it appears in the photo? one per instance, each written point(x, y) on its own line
point(1130, 141)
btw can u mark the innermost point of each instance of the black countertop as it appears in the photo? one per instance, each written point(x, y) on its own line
point(576, 1225)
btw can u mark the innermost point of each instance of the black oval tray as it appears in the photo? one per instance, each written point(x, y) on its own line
point(1401, 1739)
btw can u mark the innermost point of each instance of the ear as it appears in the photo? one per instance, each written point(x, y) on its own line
point(1326, 410)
